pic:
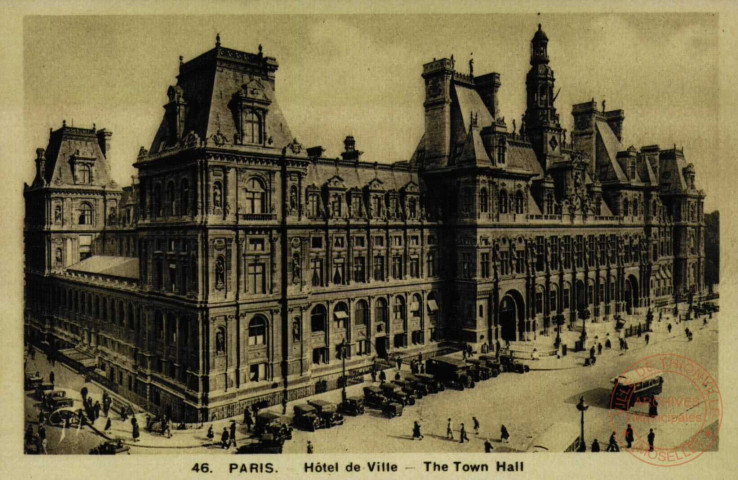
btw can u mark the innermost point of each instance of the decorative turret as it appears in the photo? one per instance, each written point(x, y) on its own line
point(350, 152)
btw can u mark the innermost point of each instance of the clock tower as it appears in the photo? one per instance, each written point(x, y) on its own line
point(541, 120)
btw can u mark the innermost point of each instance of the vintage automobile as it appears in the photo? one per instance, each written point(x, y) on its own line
point(492, 363)
point(509, 364)
point(420, 386)
point(328, 412)
point(411, 388)
point(479, 369)
point(111, 447)
point(31, 382)
point(395, 394)
point(352, 406)
point(267, 443)
point(63, 417)
point(56, 399)
point(392, 409)
point(42, 389)
point(273, 423)
point(450, 371)
point(433, 385)
point(373, 397)
point(306, 417)
point(635, 386)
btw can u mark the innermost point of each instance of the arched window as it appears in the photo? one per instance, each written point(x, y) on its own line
point(58, 214)
point(483, 201)
point(257, 331)
point(399, 308)
point(503, 201)
point(318, 318)
point(85, 214)
point(635, 208)
point(171, 200)
point(416, 308)
point(380, 314)
point(217, 195)
point(159, 325)
point(85, 175)
point(254, 197)
point(156, 207)
point(130, 317)
point(340, 315)
point(625, 207)
point(549, 204)
point(361, 315)
point(519, 203)
point(252, 128)
point(412, 208)
point(184, 197)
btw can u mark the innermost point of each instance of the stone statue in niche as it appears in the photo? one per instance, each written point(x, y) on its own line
point(296, 330)
point(220, 273)
point(217, 196)
point(58, 256)
point(293, 198)
point(296, 268)
point(58, 214)
point(220, 341)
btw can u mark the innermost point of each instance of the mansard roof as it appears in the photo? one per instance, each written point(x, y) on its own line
point(360, 175)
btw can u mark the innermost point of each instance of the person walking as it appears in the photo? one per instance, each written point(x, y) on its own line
point(397, 376)
point(651, 438)
point(504, 435)
point(233, 434)
point(399, 363)
point(608, 344)
point(247, 420)
point(668, 327)
point(462, 434)
point(612, 446)
point(51, 377)
point(595, 446)
point(211, 434)
point(83, 391)
point(108, 424)
point(488, 446)
point(309, 447)
point(416, 431)
point(476, 425)
point(592, 352)
point(382, 377)
point(449, 430)
point(653, 410)
point(96, 409)
point(224, 443)
point(136, 432)
point(374, 376)
point(599, 349)
point(629, 436)
point(647, 338)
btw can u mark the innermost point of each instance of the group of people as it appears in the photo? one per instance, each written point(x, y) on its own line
point(463, 437)
point(35, 442)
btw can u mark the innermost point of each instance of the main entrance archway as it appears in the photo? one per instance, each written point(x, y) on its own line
point(631, 294)
point(512, 311)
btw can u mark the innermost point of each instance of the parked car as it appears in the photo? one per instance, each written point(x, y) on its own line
point(62, 416)
point(433, 385)
point(306, 417)
point(352, 406)
point(267, 443)
point(451, 371)
point(328, 412)
point(411, 388)
point(42, 389)
point(56, 399)
point(273, 423)
point(373, 397)
point(492, 363)
point(395, 394)
point(509, 364)
point(111, 447)
point(31, 382)
point(392, 409)
point(479, 369)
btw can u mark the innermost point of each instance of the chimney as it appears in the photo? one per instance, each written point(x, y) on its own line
point(103, 139)
point(487, 87)
point(315, 152)
point(40, 164)
point(615, 120)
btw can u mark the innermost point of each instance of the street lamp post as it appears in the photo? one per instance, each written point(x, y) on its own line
point(582, 408)
point(344, 395)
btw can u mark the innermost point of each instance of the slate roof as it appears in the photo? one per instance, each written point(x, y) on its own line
point(67, 142)
point(122, 267)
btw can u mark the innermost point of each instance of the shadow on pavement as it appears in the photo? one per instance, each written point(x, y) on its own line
point(597, 397)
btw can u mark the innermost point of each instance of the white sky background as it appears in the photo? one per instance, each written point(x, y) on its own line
point(360, 75)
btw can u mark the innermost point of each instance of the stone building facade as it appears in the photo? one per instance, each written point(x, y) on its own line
point(241, 266)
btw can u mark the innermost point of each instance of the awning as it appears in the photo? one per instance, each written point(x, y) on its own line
point(432, 305)
point(340, 315)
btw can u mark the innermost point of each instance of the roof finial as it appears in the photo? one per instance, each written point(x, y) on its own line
point(471, 66)
point(260, 48)
point(603, 105)
point(181, 59)
point(539, 27)
point(217, 40)
point(64, 123)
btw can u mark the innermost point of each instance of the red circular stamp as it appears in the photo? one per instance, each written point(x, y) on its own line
point(666, 410)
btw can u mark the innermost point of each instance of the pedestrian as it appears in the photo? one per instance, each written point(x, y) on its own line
point(84, 394)
point(224, 443)
point(284, 405)
point(233, 433)
point(210, 433)
point(124, 414)
point(653, 405)
point(449, 430)
point(248, 420)
point(399, 363)
point(476, 425)
point(397, 376)
point(463, 354)
point(374, 376)
point(488, 446)
point(462, 434)
point(108, 424)
point(497, 347)
point(629, 435)
point(704, 322)
point(592, 352)
point(668, 327)
point(612, 446)
point(382, 377)
point(96, 408)
point(686, 332)
point(422, 368)
point(690, 336)
point(651, 438)
point(595, 446)
point(51, 377)
point(136, 431)
point(608, 344)
point(599, 349)
point(309, 447)
point(639, 330)
point(504, 435)
point(625, 344)
point(416, 431)
point(41, 418)
point(647, 338)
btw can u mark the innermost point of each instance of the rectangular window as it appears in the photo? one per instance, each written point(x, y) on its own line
point(257, 372)
point(567, 253)
point(397, 241)
point(362, 347)
point(320, 355)
point(378, 267)
point(504, 262)
point(485, 265)
point(552, 300)
point(414, 241)
point(256, 244)
point(554, 253)
point(467, 265)
point(379, 241)
point(256, 278)
point(316, 267)
point(520, 262)
point(567, 295)
point(359, 241)
point(591, 254)
point(359, 269)
point(316, 242)
point(312, 206)
point(414, 267)
point(431, 239)
point(431, 265)
point(339, 273)
point(397, 266)
point(580, 251)
point(540, 254)
point(339, 242)
point(539, 302)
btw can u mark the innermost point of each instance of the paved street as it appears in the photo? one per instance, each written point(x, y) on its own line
point(526, 404)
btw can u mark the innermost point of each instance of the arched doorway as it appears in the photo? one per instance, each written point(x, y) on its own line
point(512, 310)
point(631, 294)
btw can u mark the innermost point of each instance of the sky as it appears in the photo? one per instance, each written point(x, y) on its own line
point(360, 75)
